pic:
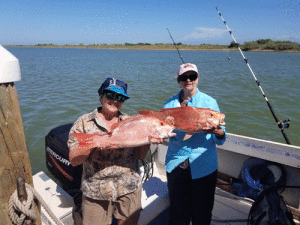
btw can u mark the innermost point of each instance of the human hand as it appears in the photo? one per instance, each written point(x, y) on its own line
point(98, 141)
point(87, 145)
point(218, 131)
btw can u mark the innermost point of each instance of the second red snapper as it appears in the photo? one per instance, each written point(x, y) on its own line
point(189, 119)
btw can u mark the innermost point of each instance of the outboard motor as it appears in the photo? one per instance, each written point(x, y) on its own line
point(57, 158)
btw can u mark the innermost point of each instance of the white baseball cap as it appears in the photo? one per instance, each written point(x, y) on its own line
point(187, 67)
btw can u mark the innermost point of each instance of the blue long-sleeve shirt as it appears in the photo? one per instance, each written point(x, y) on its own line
point(200, 148)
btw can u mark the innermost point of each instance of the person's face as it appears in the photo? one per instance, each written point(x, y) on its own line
point(110, 105)
point(187, 81)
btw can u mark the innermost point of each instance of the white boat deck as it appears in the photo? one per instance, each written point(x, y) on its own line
point(230, 210)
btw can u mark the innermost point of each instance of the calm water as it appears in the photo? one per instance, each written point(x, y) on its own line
point(59, 85)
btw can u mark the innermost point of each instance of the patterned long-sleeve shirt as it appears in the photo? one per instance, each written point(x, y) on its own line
point(107, 174)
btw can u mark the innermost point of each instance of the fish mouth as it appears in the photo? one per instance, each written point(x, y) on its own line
point(222, 123)
point(168, 135)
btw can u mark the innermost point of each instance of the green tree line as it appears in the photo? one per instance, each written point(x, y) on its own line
point(267, 44)
point(259, 45)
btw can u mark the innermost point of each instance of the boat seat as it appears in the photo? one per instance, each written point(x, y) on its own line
point(155, 197)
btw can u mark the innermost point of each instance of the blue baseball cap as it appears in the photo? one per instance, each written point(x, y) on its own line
point(115, 85)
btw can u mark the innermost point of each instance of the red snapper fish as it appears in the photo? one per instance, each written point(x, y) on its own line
point(189, 119)
point(134, 131)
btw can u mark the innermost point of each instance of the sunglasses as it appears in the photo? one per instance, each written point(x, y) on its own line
point(115, 96)
point(192, 77)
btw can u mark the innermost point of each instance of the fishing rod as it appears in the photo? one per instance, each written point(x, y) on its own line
point(281, 125)
point(176, 46)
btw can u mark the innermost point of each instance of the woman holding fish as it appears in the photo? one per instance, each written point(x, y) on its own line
point(191, 161)
point(111, 184)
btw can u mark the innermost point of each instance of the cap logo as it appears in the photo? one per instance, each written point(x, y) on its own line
point(112, 82)
point(188, 65)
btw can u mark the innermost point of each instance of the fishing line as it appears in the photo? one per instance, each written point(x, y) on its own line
point(281, 125)
point(176, 46)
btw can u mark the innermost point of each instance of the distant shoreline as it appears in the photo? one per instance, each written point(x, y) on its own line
point(159, 47)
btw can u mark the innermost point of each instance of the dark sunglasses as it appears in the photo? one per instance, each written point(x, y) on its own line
point(192, 77)
point(115, 96)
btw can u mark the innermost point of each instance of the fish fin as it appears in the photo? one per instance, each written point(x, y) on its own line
point(177, 109)
point(120, 123)
point(114, 126)
point(187, 136)
point(150, 113)
point(146, 112)
point(163, 110)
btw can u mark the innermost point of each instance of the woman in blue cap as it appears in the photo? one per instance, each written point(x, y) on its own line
point(111, 183)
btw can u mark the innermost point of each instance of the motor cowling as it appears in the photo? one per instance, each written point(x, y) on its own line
point(57, 158)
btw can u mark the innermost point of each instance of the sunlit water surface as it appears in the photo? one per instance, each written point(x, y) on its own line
point(58, 85)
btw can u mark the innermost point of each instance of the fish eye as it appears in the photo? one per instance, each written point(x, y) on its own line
point(211, 114)
point(162, 123)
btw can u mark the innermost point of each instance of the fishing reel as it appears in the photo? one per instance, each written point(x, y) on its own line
point(284, 125)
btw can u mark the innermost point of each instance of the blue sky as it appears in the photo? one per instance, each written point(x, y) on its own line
point(133, 21)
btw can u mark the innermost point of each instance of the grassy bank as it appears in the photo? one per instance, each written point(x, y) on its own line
point(259, 45)
point(140, 46)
